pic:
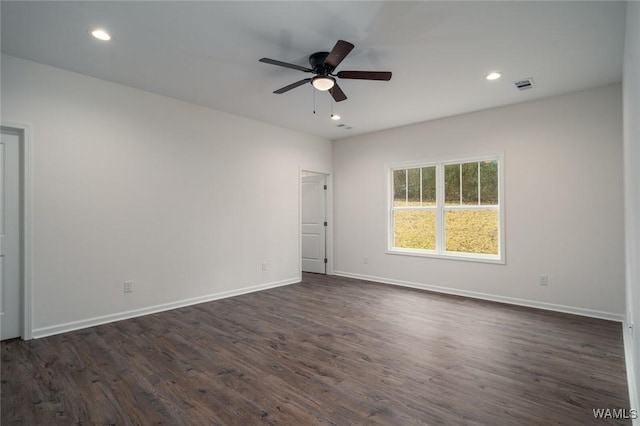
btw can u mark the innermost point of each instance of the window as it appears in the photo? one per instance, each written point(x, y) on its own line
point(448, 209)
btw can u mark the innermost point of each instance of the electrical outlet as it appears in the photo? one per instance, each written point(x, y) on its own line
point(128, 286)
point(264, 266)
point(544, 280)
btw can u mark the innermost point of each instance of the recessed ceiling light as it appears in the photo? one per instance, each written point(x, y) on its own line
point(493, 76)
point(101, 35)
point(335, 117)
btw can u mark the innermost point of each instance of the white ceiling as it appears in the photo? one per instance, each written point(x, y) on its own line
point(439, 52)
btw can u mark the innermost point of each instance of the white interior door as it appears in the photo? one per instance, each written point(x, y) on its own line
point(10, 306)
point(314, 213)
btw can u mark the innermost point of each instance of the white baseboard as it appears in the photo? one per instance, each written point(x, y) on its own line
point(491, 297)
point(634, 402)
point(91, 322)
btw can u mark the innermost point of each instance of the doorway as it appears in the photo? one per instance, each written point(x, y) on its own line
point(314, 222)
point(15, 230)
point(10, 226)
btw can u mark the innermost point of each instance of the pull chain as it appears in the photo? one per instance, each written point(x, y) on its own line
point(333, 116)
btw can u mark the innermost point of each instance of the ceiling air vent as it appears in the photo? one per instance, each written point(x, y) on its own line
point(525, 84)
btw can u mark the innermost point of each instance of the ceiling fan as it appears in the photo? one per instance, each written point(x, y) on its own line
point(322, 65)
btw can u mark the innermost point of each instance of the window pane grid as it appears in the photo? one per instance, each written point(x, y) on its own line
point(471, 207)
point(406, 186)
point(479, 180)
point(422, 207)
point(414, 186)
point(460, 173)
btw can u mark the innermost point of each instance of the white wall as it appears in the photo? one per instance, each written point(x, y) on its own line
point(631, 102)
point(564, 202)
point(184, 201)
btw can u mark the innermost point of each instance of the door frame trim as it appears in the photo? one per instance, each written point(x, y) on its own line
point(26, 217)
point(329, 217)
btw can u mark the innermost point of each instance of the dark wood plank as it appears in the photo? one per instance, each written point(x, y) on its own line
point(327, 351)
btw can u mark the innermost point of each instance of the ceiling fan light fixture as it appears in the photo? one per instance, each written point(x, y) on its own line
point(323, 83)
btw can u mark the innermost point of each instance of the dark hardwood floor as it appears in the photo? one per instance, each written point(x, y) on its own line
point(327, 351)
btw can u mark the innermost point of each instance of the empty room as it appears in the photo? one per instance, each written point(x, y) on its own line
point(306, 212)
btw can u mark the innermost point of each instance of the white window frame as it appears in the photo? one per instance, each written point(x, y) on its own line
point(440, 209)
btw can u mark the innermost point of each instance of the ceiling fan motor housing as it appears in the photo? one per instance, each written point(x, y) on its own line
point(317, 63)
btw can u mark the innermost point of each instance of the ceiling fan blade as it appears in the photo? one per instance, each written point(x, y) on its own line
point(285, 64)
point(366, 75)
point(339, 52)
point(337, 93)
point(292, 86)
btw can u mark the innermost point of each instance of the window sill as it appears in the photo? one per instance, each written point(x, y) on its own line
point(448, 256)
